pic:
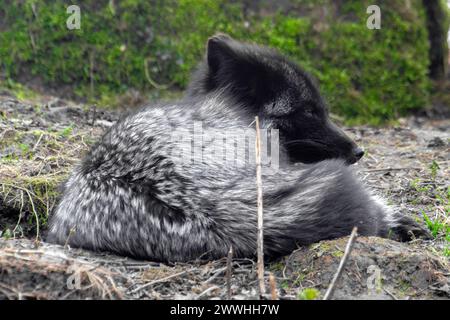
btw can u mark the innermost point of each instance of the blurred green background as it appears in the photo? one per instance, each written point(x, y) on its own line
point(149, 48)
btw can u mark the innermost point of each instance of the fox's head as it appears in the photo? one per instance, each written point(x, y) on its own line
point(280, 93)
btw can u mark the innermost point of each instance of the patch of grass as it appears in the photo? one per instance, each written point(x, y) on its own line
point(66, 132)
point(6, 234)
point(417, 185)
point(438, 220)
point(32, 197)
point(404, 286)
point(436, 195)
point(308, 294)
point(436, 226)
point(300, 276)
point(434, 168)
point(25, 148)
point(32, 172)
point(284, 285)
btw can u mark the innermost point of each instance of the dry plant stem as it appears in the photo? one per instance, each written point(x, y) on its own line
point(20, 214)
point(392, 169)
point(348, 249)
point(71, 233)
point(273, 287)
point(229, 271)
point(159, 281)
point(151, 81)
point(260, 249)
point(207, 291)
point(37, 143)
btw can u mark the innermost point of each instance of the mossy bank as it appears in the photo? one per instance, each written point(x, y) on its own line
point(152, 46)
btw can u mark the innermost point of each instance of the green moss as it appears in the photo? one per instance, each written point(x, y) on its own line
point(367, 75)
point(18, 90)
point(34, 197)
point(30, 177)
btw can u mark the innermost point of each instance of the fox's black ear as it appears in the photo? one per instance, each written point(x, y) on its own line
point(234, 64)
point(220, 51)
point(243, 69)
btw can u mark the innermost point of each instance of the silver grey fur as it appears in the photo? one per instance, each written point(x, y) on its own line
point(133, 196)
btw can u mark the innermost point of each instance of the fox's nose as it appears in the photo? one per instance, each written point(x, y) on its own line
point(358, 153)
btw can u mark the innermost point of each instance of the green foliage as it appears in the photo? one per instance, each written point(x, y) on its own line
point(435, 226)
point(437, 220)
point(434, 168)
point(308, 294)
point(21, 92)
point(367, 75)
point(66, 132)
point(6, 234)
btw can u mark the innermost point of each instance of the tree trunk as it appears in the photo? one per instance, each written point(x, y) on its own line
point(437, 33)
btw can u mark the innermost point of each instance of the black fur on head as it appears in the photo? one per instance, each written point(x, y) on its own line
point(284, 96)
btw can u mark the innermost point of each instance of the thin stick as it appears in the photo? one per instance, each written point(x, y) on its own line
point(91, 73)
point(37, 143)
point(35, 214)
point(216, 274)
point(273, 287)
point(260, 249)
point(392, 169)
point(71, 233)
point(160, 281)
point(348, 249)
point(20, 214)
point(207, 291)
point(229, 271)
point(151, 81)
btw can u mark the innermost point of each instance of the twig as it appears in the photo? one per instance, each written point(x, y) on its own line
point(35, 214)
point(33, 9)
point(216, 274)
point(151, 81)
point(37, 143)
point(94, 115)
point(348, 249)
point(33, 43)
point(149, 284)
point(390, 294)
point(207, 291)
point(273, 287)
point(229, 271)
point(20, 214)
point(71, 233)
point(260, 249)
point(392, 169)
point(4, 287)
point(91, 72)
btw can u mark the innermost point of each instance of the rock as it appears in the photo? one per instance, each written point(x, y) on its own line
point(436, 143)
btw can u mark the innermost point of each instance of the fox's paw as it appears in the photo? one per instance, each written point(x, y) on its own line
point(407, 229)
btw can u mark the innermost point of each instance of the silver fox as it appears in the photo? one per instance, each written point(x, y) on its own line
point(134, 195)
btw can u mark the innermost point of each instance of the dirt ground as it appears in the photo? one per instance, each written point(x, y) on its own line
point(41, 140)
